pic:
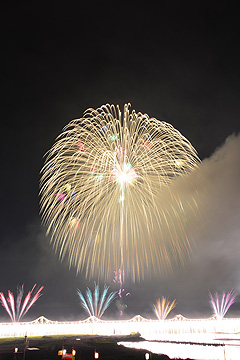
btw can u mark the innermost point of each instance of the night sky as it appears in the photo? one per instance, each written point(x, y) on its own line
point(178, 62)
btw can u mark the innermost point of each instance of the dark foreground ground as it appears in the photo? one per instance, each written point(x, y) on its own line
point(87, 345)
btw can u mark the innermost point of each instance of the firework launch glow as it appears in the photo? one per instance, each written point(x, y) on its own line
point(16, 309)
point(102, 189)
point(94, 304)
point(163, 307)
point(221, 307)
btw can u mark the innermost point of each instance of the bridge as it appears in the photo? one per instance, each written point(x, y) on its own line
point(154, 329)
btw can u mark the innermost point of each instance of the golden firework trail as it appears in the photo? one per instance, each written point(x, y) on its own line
point(163, 308)
point(102, 189)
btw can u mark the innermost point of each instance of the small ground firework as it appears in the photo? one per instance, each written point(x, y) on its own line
point(93, 303)
point(16, 308)
point(163, 308)
point(221, 307)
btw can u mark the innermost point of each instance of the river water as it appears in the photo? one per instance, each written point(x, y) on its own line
point(214, 349)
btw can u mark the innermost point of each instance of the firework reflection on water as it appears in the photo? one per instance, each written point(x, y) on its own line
point(189, 351)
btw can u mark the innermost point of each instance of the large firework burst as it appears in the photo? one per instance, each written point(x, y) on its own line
point(102, 189)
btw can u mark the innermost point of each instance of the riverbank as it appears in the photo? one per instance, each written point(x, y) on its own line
point(47, 347)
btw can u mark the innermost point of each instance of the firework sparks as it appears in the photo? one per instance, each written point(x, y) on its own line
point(94, 304)
point(163, 308)
point(118, 279)
point(17, 309)
point(119, 166)
point(221, 307)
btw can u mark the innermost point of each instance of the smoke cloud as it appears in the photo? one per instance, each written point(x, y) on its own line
point(215, 229)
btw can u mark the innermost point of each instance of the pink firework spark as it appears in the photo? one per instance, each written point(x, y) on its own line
point(5, 305)
point(147, 145)
point(80, 148)
point(61, 197)
point(118, 275)
point(18, 311)
point(118, 279)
